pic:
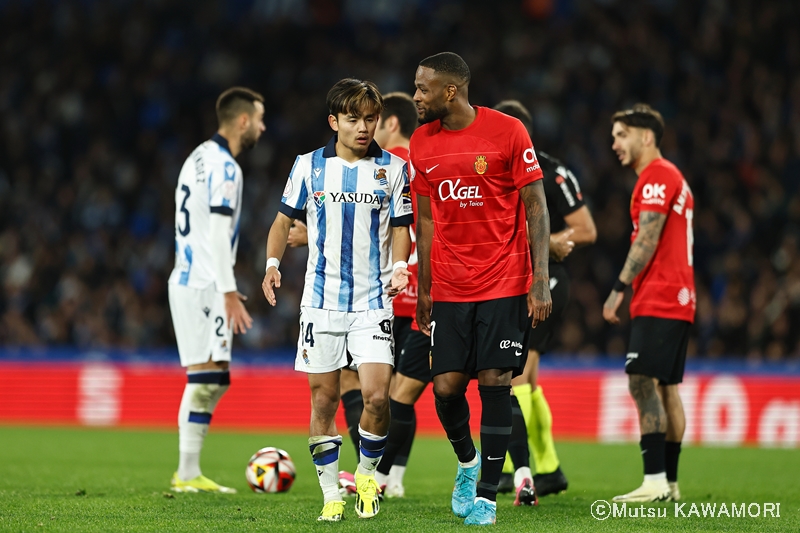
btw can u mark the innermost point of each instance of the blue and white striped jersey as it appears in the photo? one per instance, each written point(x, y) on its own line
point(210, 182)
point(350, 210)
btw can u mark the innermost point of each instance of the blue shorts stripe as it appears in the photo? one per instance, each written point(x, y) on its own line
point(219, 378)
point(200, 418)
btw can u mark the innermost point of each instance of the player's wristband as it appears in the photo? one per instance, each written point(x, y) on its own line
point(399, 264)
point(273, 262)
point(619, 286)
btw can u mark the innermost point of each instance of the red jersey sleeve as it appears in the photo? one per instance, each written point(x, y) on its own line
point(525, 167)
point(419, 182)
point(659, 189)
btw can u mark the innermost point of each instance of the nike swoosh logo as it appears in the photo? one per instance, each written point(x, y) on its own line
point(429, 169)
point(517, 353)
point(494, 458)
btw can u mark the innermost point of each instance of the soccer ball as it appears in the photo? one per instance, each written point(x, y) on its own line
point(270, 470)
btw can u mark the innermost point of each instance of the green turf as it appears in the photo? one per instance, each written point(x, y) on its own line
point(59, 479)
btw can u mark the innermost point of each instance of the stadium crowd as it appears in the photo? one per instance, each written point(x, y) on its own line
point(101, 102)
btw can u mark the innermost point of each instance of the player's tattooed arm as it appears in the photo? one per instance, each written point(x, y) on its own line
point(642, 250)
point(539, 301)
point(644, 246)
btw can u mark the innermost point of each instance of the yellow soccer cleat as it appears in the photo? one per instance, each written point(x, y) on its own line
point(367, 491)
point(199, 484)
point(332, 512)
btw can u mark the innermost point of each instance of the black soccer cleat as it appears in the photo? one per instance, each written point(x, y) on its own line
point(552, 483)
point(506, 483)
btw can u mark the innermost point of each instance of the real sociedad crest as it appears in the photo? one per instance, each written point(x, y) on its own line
point(380, 177)
point(480, 164)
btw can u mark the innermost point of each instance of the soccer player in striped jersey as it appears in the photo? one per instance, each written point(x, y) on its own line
point(206, 307)
point(358, 206)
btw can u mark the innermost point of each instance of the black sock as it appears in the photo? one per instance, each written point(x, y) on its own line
point(672, 452)
point(402, 418)
point(495, 433)
point(453, 413)
point(353, 404)
point(652, 445)
point(401, 459)
point(518, 443)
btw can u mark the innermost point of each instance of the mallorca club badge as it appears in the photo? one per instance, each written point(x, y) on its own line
point(480, 164)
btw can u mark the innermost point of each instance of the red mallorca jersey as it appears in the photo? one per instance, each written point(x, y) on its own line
point(480, 248)
point(405, 303)
point(665, 288)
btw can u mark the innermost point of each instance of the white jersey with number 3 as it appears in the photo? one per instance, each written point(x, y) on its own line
point(210, 182)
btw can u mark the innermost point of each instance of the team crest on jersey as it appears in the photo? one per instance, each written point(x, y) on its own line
point(380, 177)
point(319, 198)
point(480, 164)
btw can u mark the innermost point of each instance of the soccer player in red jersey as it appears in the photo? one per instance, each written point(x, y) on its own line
point(659, 264)
point(477, 181)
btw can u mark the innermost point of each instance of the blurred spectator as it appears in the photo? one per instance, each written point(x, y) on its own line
point(101, 101)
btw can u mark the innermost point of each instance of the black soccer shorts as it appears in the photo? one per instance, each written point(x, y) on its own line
point(412, 351)
point(541, 338)
point(657, 348)
point(474, 336)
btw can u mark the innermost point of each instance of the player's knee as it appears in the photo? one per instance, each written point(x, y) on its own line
point(376, 402)
point(325, 399)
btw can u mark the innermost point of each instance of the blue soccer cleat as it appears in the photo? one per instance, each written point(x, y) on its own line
point(466, 488)
point(484, 513)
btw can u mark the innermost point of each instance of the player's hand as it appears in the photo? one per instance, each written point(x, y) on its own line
point(540, 305)
point(424, 306)
point(561, 246)
point(271, 279)
point(399, 281)
point(298, 235)
point(239, 320)
point(611, 307)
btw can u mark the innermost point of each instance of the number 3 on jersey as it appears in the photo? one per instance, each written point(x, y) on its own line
point(186, 228)
point(307, 334)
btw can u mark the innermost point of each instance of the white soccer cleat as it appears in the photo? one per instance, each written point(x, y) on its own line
point(674, 492)
point(395, 490)
point(650, 491)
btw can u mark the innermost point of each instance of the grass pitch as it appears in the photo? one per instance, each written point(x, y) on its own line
point(85, 480)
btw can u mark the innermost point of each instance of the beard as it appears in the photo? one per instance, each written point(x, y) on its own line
point(432, 114)
point(249, 140)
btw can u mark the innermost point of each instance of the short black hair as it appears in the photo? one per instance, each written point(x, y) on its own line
point(354, 97)
point(235, 101)
point(642, 116)
point(448, 63)
point(401, 105)
point(514, 108)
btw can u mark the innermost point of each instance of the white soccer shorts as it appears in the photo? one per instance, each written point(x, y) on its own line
point(201, 326)
point(327, 336)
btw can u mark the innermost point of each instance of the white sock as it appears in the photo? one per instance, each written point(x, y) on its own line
point(490, 502)
point(470, 463)
point(371, 451)
point(396, 475)
point(521, 475)
point(656, 478)
point(194, 416)
point(382, 479)
point(325, 454)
